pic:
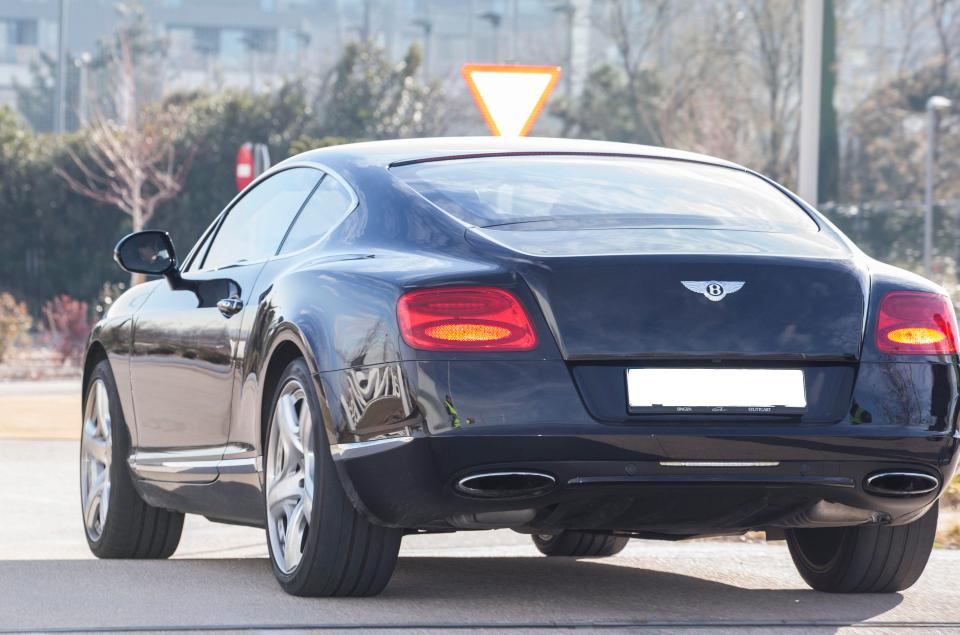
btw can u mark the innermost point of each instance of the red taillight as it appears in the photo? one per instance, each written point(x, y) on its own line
point(464, 319)
point(912, 322)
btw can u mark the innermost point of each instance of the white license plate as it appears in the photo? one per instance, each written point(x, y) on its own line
point(716, 390)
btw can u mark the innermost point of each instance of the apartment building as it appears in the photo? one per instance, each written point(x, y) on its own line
point(258, 43)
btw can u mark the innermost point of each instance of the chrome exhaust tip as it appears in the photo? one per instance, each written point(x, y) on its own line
point(506, 484)
point(901, 483)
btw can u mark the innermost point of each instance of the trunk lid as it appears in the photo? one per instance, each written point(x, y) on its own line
point(642, 293)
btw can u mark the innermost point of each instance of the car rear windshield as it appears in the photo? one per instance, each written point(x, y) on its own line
point(555, 192)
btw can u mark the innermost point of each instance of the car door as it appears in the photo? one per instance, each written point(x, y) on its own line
point(330, 203)
point(183, 364)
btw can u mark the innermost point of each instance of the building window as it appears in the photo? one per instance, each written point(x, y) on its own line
point(261, 40)
point(23, 32)
point(206, 40)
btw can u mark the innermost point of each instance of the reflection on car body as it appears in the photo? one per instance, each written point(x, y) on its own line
point(442, 334)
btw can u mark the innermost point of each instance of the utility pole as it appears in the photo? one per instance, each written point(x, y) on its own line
point(935, 105)
point(60, 106)
point(810, 100)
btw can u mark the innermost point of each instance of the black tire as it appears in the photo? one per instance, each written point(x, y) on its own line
point(344, 554)
point(868, 559)
point(579, 544)
point(132, 529)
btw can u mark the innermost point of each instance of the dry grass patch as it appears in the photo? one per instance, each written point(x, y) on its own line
point(40, 416)
point(948, 536)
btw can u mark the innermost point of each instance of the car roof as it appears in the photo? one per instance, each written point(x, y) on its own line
point(387, 153)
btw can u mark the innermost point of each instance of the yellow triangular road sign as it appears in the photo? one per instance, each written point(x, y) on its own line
point(510, 96)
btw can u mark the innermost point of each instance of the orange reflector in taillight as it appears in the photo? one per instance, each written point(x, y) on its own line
point(916, 323)
point(465, 319)
point(915, 336)
point(467, 332)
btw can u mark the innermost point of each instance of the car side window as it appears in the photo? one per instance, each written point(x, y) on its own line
point(254, 227)
point(195, 255)
point(326, 207)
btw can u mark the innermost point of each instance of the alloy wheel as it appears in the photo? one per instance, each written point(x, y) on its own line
point(290, 476)
point(96, 447)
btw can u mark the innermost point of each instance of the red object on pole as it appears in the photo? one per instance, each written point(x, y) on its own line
point(245, 168)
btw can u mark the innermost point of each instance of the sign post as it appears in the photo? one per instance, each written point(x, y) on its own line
point(253, 159)
point(510, 96)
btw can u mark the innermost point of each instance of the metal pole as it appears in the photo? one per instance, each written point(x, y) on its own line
point(427, 48)
point(60, 108)
point(515, 32)
point(471, 32)
point(934, 104)
point(568, 71)
point(928, 196)
point(494, 18)
point(426, 24)
point(83, 62)
point(810, 100)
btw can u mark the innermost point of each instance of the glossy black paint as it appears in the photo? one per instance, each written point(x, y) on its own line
point(601, 301)
point(150, 252)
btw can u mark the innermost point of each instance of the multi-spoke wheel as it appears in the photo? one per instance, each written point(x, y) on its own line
point(290, 470)
point(118, 523)
point(95, 451)
point(319, 544)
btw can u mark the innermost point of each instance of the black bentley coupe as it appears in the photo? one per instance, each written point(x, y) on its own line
point(585, 342)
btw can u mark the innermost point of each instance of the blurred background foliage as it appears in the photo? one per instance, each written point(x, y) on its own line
point(717, 77)
point(55, 241)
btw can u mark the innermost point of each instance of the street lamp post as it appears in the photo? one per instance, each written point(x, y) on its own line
point(935, 105)
point(569, 11)
point(83, 64)
point(426, 24)
point(60, 109)
point(494, 18)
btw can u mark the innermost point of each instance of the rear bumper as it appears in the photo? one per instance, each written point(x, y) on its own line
point(613, 482)
point(450, 419)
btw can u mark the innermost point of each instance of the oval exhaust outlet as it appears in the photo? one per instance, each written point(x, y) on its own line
point(505, 484)
point(901, 483)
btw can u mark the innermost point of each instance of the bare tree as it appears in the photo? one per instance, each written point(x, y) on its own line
point(945, 18)
point(634, 27)
point(134, 164)
point(773, 31)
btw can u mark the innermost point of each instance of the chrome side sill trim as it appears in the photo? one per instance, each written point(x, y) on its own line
point(719, 463)
point(199, 465)
point(361, 448)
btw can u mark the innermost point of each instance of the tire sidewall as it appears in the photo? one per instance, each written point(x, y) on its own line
point(546, 545)
point(119, 448)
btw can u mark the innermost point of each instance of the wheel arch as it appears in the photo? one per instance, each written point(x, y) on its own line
point(96, 353)
point(288, 345)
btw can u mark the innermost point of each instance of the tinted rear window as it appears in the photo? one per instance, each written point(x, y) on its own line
point(558, 191)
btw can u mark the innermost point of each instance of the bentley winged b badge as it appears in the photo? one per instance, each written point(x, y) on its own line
point(714, 290)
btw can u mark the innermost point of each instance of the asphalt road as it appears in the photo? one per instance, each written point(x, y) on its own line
point(490, 581)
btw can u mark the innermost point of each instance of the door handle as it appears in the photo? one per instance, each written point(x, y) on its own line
point(230, 306)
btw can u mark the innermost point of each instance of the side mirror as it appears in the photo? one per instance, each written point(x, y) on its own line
point(150, 252)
